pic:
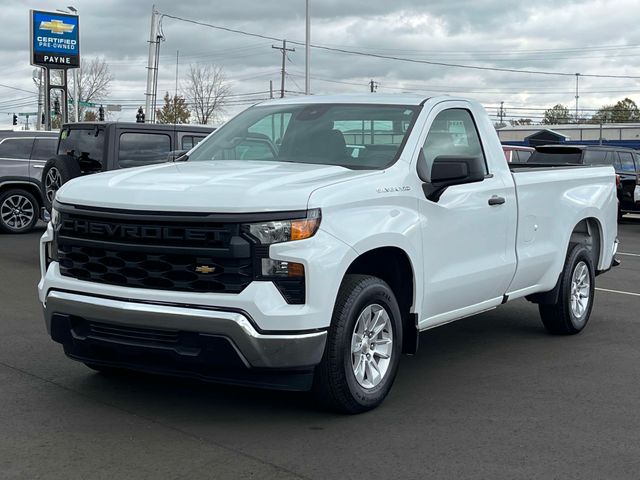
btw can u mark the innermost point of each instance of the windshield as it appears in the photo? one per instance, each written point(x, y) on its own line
point(352, 136)
point(85, 144)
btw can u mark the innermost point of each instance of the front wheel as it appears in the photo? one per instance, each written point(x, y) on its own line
point(363, 349)
point(18, 211)
point(570, 314)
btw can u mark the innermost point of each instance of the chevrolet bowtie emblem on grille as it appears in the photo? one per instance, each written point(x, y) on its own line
point(57, 26)
point(205, 269)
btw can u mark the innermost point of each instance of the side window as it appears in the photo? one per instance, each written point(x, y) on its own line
point(596, 157)
point(44, 148)
point(523, 156)
point(190, 141)
point(17, 148)
point(452, 132)
point(616, 160)
point(138, 149)
point(626, 162)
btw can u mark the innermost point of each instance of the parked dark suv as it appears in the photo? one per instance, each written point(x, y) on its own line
point(22, 158)
point(90, 147)
point(626, 162)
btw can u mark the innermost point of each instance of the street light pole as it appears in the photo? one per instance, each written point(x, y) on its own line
point(76, 78)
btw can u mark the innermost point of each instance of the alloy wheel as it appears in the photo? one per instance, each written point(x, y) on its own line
point(371, 346)
point(17, 212)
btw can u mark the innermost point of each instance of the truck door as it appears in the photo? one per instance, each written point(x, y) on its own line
point(469, 233)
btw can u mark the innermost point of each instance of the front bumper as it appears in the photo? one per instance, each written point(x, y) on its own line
point(210, 344)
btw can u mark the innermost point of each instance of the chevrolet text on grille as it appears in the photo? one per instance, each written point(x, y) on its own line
point(135, 231)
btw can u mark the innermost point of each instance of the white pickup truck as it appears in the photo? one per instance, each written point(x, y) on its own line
point(307, 242)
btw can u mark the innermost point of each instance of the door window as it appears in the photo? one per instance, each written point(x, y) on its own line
point(190, 141)
point(138, 149)
point(597, 157)
point(44, 148)
point(18, 148)
point(522, 156)
point(453, 132)
point(626, 162)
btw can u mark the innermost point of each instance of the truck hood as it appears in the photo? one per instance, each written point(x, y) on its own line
point(216, 186)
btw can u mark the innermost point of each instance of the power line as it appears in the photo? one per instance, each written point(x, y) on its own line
point(18, 89)
point(396, 58)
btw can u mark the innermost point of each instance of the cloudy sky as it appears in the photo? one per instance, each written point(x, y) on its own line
point(586, 36)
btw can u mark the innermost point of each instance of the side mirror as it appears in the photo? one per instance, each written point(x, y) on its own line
point(449, 170)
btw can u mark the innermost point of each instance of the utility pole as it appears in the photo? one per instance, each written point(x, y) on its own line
point(307, 75)
point(152, 67)
point(501, 113)
point(175, 95)
point(373, 86)
point(577, 96)
point(270, 88)
point(284, 51)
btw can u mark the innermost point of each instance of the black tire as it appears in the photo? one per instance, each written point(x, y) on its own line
point(335, 383)
point(560, 318)
point(61, 167)
point(19, 211)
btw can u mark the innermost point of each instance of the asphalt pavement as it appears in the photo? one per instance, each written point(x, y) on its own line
point(489, 397)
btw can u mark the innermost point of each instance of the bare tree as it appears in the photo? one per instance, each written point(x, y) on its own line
point(206, 91)
point(94, 80)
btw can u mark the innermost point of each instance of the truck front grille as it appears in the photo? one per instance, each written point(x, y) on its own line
point(180, 272)
point(144, 251)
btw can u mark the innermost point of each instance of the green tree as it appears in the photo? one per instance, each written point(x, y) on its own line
point(556, 115)
point(174, 110)
point(623, 111)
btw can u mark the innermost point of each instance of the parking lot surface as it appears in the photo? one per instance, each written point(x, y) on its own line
point(491, 396)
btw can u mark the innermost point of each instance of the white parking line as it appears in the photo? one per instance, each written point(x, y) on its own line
point(618, 291)
point(628, 254)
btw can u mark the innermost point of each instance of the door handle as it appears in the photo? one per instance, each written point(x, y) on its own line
point(496, 200)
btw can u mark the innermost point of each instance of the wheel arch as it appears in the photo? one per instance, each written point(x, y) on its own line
point(588, 231)
point(394, 266)
point(31, 187)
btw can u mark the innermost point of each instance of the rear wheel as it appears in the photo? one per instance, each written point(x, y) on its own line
point(570, 314)
point(363, 346)
point(18, 211)
point(57, 171)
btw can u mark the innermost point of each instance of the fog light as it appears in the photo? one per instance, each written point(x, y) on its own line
point(281, 268)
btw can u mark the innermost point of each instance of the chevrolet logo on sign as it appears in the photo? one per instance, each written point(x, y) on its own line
point(205, 269)
point(57, 27)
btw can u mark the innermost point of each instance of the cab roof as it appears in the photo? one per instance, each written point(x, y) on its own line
point(364, 98)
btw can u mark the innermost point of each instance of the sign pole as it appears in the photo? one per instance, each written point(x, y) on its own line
point(47, 99)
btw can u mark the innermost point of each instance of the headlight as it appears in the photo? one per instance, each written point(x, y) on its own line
point(55, 216)
point(285, 230)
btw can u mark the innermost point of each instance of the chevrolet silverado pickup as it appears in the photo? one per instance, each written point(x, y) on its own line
point(306, 243)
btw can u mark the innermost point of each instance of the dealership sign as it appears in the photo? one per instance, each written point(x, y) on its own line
point(55, 40)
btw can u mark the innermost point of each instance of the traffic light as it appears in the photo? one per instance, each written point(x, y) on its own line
point(140, 116)
point(101, 113)
point(56, 106)
point(15, 119)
